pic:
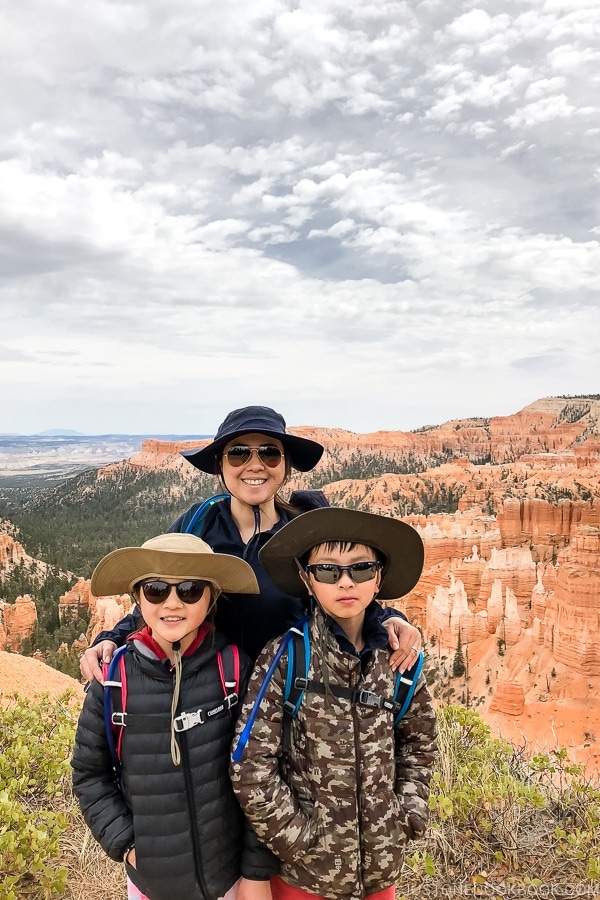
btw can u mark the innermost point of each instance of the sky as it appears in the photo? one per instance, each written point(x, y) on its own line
point(368, 215)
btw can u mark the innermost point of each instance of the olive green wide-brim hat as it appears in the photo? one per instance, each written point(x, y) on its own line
point(400, 544)
point(182, 556)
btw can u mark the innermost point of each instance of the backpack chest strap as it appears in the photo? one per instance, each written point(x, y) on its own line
point(146, 722)
point(354, 695)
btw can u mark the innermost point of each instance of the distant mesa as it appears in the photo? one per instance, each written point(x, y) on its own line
point(59, 432)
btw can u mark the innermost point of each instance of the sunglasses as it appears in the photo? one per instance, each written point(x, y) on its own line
point(187, 591)
point(268, 454)
point(328, 573)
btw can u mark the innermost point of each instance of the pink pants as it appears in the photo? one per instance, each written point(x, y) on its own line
point(283, 891)
point(134, 894)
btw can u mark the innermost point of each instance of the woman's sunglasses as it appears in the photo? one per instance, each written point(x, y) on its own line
point(187, 591)
point(328, 573)
point(268, 454)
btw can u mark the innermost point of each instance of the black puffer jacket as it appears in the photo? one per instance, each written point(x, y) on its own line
point(190, 837)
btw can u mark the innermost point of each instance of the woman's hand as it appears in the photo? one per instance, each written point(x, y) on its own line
point(253, 890)
point(91, 661)
point(405, 641)
point(130, 857)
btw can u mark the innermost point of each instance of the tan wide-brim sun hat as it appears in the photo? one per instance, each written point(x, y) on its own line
point(400, 544)
point(182, 556)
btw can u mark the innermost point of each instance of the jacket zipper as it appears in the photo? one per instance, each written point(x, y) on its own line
point(189, 792)
point(357, 768)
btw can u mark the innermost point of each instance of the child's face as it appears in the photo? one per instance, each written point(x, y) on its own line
point(346, 599)
point(172, 619)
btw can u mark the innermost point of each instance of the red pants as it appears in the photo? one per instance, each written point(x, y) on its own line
point(283, 891)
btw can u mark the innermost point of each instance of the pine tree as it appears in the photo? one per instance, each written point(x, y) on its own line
point(458, 663)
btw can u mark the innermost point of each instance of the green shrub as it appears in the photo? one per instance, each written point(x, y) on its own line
point(499, 818)
point(36, 738)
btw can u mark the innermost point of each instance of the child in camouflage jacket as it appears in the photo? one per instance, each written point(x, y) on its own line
point(339, 805)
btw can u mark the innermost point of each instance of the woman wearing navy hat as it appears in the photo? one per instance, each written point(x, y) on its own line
point(252, 454)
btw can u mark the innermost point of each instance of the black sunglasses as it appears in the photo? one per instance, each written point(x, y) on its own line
point(187, 591)
point(268, 454)
point(328, 573)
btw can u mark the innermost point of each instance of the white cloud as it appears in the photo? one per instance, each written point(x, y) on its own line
point(296, 203)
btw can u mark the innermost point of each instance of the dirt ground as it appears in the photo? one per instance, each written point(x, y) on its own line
point(30, 678)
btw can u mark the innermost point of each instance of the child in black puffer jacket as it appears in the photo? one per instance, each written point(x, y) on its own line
point(171, 815)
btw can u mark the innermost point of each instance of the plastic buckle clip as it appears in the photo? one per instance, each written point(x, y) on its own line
point(188, 720)
point(368, 698)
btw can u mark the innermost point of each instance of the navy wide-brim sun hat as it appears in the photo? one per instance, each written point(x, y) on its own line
point(400, 544)
point(302, 453)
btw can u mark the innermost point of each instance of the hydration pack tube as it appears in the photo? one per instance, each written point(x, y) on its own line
point(244, 737)
point(197, 521)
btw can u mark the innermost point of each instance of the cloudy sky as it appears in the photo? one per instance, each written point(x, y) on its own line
point(374, 214)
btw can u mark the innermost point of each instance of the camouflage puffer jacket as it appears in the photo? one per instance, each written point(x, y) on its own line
point(340, 807)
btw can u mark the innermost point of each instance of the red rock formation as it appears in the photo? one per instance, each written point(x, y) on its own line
point(546, 527)
point(449, 615)
point(166, 455)
point(75, 600)
point(17, 622)
point(11, 553)
point(508, 698)
point(106, 612)
point(513, 568)
point(572, 621)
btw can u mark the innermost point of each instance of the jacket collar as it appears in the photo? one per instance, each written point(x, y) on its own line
point(374, 634)
point(148, 647)
point(223, 521)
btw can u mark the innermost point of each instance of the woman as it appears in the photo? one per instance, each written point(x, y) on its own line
point(253, 455)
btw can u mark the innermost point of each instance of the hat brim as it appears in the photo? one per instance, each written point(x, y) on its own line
point(118, 572)
point(400, 543)
point(303, 453)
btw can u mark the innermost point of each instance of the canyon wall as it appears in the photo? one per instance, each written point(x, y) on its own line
point(512, 568)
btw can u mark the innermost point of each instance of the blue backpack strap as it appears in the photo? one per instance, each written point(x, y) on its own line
point(238, 750)
point(196, 523)
point(405, 687)
point(110, 684)
point(296, 678)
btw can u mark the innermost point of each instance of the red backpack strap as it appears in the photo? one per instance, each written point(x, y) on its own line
point(123, 673)
point(228, 661)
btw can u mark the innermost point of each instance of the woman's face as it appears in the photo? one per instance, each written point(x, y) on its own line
point(255, 481)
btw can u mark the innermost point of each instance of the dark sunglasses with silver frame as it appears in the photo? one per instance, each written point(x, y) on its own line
point(156, 591)
point(330, 573)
